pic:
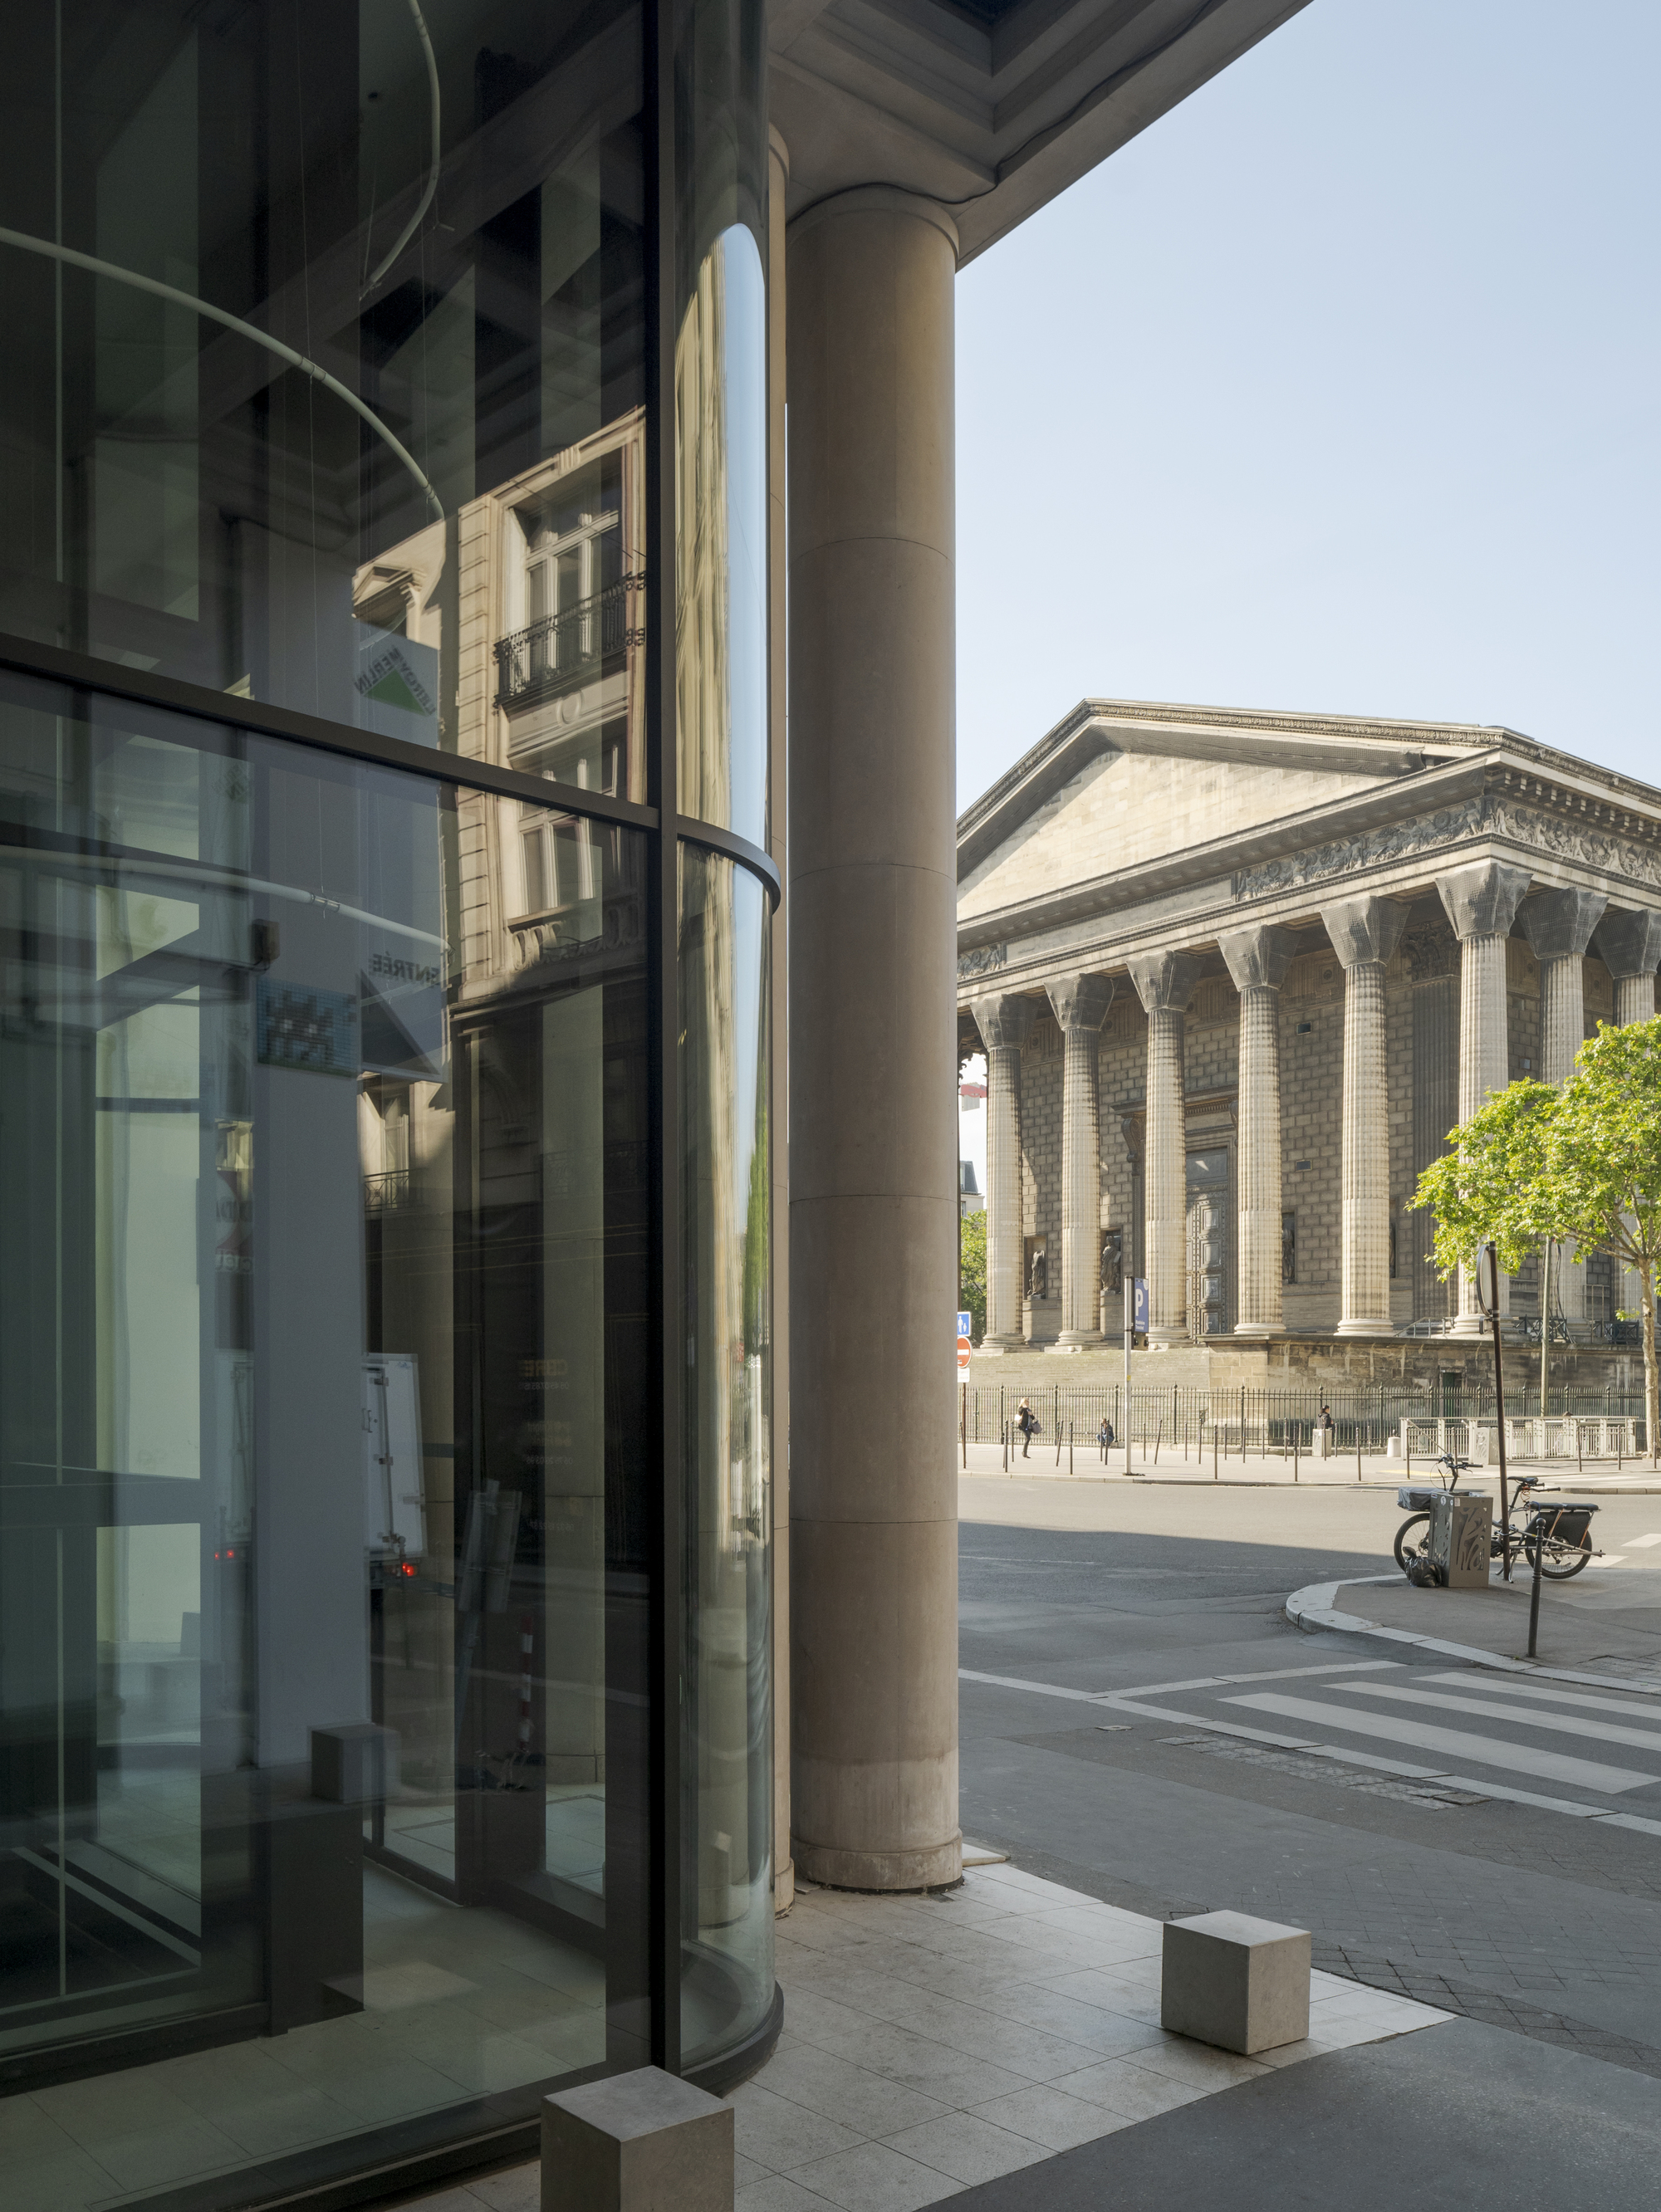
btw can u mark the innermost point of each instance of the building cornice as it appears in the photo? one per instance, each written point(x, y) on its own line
point(1562, 824)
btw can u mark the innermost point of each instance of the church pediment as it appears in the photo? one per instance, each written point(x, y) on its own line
point(1118, 783)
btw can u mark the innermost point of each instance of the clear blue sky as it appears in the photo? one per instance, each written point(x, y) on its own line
point(1336, 389)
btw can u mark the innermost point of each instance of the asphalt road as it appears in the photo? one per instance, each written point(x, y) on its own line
point(1487, 1877)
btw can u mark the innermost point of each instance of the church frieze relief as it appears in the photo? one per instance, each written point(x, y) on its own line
point(1578, 845)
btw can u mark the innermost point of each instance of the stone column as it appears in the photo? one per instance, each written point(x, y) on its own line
point(1258, 960)
point(1081, 1004)
point(874, 1151)
point(1164, 983)
point(1481, 904)
point(1004, 1023)
point(1365, 932)
point(1629, 945)
point(1558, 926)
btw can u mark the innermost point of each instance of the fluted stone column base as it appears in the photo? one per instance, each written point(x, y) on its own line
point(1364, 933)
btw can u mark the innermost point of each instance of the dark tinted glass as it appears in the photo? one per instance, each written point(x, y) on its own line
point(324, 1485)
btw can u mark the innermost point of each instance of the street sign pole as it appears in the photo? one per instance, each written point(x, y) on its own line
point(1130, 1318)
point(1488, 1298)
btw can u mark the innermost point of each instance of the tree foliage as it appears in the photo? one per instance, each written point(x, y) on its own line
point(1581, 1165)
point(971, 1276)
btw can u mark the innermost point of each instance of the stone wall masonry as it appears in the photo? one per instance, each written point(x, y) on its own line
point(1121, 1082)
point(1398, 1058)
point(1311, 1129)
point(1041, 1140)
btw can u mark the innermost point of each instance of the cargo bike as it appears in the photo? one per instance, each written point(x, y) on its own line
point(1562, 1534)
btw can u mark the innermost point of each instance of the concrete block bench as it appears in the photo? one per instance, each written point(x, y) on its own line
point(1240, 1984)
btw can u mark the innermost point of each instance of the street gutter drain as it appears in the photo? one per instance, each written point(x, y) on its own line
point(1309, 1770)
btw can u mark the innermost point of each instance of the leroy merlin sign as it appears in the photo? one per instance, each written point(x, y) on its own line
point(396, 684)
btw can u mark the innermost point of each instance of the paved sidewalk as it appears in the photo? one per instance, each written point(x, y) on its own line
point(1605, 1626)
point(1461, 2119)
point(933, 2043)
point(1259, 1470)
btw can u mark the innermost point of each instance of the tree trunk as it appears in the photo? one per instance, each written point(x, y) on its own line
point(1652, 1392)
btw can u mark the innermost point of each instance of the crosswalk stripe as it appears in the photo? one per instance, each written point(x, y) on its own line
point(1454, 1743)
point(1632, 1707)
point(1642, 1543)
point(1485, 1709)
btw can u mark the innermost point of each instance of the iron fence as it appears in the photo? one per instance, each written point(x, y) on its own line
point(1186, 1419)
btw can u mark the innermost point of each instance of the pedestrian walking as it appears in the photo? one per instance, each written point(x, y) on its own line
point(1027, 1422)
point(1105, 1434)
point(1326, 1417)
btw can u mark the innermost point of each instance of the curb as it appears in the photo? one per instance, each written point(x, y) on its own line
point(1312, 1609)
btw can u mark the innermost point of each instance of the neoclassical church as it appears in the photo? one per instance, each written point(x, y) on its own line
point(1236, 975)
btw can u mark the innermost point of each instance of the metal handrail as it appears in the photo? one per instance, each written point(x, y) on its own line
point(565, 649)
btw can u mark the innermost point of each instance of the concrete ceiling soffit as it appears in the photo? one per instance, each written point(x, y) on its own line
point(992, 109)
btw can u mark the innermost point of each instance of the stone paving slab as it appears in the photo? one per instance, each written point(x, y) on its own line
point(932, 2043)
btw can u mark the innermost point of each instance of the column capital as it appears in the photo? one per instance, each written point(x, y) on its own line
point(1629, 944)
point(1003, 1018)
point(1364, 929)
point(1164, 981)
point(1081, 1002)
point(1558, 924)
point(1481, 900)
point(1258, 958)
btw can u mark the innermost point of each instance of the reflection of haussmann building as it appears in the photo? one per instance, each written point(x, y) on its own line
point(1236, 975)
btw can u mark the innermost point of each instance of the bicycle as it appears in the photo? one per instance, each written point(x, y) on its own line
point(1562, 1532)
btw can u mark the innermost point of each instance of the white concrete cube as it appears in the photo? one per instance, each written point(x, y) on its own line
point(637, 2143)
point(1240, 1984)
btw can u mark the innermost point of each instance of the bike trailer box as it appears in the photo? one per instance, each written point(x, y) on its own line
point(1461, 1538)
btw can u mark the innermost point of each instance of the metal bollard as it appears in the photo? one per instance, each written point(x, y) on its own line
point(1534, 1594)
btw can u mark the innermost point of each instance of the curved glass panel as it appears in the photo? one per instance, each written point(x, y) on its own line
point(720, 414)
point(721, 611)
point(321, 351)
point(727, 1501)
point(326, 1463)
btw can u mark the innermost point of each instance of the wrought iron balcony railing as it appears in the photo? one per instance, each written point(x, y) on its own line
point(570, 648)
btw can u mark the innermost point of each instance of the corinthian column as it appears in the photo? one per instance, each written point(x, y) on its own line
point(1258, 960)
point(1629, 945)
point(1364, 933)
point(1003, 1023)
point(1164, 983)
point(1081, 1004)
point(1558, 926)
point(1481, 904)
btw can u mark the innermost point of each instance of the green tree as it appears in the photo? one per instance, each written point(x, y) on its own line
point(1581, 1165)
point(971, 1270)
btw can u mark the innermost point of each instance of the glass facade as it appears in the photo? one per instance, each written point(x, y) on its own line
point(385, 1610)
